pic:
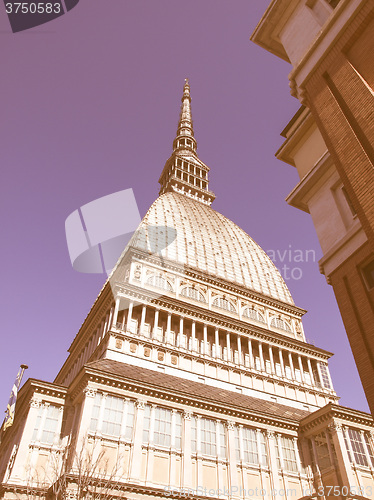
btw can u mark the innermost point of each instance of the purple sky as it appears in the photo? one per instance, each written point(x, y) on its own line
point(90, 105)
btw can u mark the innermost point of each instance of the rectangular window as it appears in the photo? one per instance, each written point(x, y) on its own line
point(146, 423)
point(130, 419)
point(288, 454)
point(222, 439)
point(193, 435)
point(112, 417)
point(208, 437)
point(370, 450)
point(162, 427)
point(250, 445)
point(263, 453)
point(178, 431)
point(95, 413)
point(357, 447)
point(325, 376)
point(258, 363)
point(237, 444)
point(323, 455)
point(278, 369)
point(51, 416)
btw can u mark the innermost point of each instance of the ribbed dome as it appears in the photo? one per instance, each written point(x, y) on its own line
point(186, 231)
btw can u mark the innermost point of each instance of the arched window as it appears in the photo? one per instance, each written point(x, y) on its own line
point(223, 304)
point(281, 324)
point(159, 281)
point(192, 293)
point(253, 314)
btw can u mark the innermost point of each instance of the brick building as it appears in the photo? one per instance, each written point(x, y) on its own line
point(330, 45)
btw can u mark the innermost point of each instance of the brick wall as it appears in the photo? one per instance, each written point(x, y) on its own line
point(356, 304)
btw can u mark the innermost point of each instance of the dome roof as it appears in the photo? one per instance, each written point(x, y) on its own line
point(190, 233)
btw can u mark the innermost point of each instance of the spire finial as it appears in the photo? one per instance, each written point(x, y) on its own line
point(184, 172)
point(185, 139)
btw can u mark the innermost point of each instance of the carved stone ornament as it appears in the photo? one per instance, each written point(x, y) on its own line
point(147, 352)
point(35, 403)
point(118, 344)
point(187, 415)
point(230, 425)
point(335, 427)
point(140, 404)
point(174, 360)
point(132, 347)
point(160, 356)
point(137, 272)
point(270, 434)
point(89, 392)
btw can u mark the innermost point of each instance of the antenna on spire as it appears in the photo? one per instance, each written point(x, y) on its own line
point(185, 140)
point(184, 172)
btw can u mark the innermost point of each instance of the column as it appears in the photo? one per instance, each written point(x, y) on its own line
point(129, 314)
point(135, 467)
point(155, 324)
point(261, 354)
point(239, 340)
point(344, 463)
point(273, 463)
point(251, 362)
point(142, 321)
point(186, 449)
point(271, 359)
point(193, 335)
point(310, 371)
point(291, 365)
point(205, 335)
point(331, 454)
point(111, 311)
point(282, 363)
point(115, 314)
point(216, 341)
point(231, 448)
point(228, 346)
point(301, 368)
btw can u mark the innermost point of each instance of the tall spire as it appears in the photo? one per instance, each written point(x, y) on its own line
point(184, 172)
point(185, 139)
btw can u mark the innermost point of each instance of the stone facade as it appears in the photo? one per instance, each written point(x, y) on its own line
point(190, 376)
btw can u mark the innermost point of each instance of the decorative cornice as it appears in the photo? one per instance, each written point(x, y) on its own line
point(144, 391)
